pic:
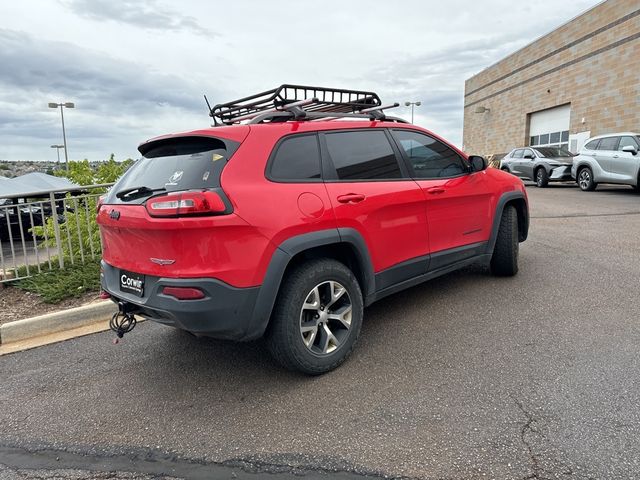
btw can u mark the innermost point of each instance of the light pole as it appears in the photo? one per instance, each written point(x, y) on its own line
point(58, 147)
point(413, 104)
point(64, 135)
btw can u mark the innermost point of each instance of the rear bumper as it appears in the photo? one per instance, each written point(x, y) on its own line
point(226, 312)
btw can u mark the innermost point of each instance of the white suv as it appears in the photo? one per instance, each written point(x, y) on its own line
point(611, 158)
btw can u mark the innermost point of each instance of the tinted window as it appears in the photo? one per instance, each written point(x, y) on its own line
point(626, 142)
point(177, 164)
point(296, 158)
point(518, 153)
point(555, 137)
point(609, 143)
point(528, 152)
point(544, 139)
point(429, 157)
point(362, 155)
point(592, 145)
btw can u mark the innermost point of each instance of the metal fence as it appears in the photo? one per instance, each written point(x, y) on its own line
point(48, 229)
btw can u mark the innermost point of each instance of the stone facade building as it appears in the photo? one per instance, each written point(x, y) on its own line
point(581, 80)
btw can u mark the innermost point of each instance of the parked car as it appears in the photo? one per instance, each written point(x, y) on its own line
point(289, 225)
point(611, 158)
point(539, 164)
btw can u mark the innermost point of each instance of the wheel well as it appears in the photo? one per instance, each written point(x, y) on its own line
point(342, 252)
point(523, 221)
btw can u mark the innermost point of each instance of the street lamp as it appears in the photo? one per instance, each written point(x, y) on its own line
point(413, 104)
point(64, 135)
point(57, 147)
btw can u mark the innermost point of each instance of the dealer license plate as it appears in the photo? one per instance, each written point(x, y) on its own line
point(132, 283)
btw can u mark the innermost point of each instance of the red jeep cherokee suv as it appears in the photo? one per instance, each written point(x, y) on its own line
point(288, 225)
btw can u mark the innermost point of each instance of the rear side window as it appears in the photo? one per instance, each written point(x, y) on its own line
point(609, 143)
point(296, 158)
point(363, 155)
point(592, 145)
point(186, 163)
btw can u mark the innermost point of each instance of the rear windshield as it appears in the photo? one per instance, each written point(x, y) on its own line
point(186, 163)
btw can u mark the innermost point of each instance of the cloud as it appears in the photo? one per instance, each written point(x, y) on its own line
point(118, 103)
point(436, 78)
point(148, 14)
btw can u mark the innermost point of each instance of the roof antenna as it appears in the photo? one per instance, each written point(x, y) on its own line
point(215, 123)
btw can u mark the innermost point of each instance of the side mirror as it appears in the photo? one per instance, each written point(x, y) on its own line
point(478, 163)
point(631, 149)
point(529, 156)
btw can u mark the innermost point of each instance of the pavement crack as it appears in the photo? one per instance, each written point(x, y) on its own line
point(530, 428)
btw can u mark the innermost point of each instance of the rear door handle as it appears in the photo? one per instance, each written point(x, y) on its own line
point(435, 190)
point(616, 156)
point(351, 198)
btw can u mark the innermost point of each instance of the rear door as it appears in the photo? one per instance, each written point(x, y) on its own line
point(371, 192)
point(458, 203)
point(625, 164)
point(607, 148)
point(516, 162)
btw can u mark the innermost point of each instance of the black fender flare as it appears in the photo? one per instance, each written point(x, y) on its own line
point(285, 252)
point(502, 201)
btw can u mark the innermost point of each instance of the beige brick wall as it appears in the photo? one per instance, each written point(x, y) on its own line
point(603, 89)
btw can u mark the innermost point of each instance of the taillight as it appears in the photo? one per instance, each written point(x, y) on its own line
point(184, 293)
point(186, 203)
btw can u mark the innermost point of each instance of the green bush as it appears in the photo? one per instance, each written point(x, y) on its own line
point(56, 285)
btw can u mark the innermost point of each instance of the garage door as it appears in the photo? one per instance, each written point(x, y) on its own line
point(550, 127)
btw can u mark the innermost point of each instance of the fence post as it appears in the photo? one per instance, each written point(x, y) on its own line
point(56, 227)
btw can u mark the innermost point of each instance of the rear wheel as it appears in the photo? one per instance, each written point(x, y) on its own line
point(585, 180)
point(317, 317)
point(504, 262)
point(542, 177)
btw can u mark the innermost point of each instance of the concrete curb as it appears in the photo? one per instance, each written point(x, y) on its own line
point(56, 322)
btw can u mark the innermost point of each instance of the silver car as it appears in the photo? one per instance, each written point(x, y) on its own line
point(611, 158)
point(539, 164)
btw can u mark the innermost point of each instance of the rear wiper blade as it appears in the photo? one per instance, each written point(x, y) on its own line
point(138, 191)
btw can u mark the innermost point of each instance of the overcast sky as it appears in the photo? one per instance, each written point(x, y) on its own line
point(139, 69)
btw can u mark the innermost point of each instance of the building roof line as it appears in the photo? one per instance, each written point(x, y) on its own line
point(615, 23)
point(540, 37)
point(616, 44)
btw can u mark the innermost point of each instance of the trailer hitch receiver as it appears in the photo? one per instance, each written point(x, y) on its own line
point(123, 321)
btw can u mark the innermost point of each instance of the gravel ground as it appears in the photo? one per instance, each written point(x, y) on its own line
point(466, 377)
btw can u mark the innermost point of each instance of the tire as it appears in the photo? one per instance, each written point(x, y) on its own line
point(300, 338)
point(504, 261)
point(585, 180)
point(541, 177)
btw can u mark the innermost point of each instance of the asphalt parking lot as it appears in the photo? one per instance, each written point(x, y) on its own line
point(468, 376)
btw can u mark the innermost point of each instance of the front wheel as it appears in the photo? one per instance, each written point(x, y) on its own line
point(585, 180)
point(317, 317)
point(504, 261)
point(542, 178)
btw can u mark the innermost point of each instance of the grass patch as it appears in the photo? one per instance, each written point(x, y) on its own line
point(56, 285)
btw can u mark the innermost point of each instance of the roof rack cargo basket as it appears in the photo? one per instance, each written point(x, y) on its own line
point(314, 99)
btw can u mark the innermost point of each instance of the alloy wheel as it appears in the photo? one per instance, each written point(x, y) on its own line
point(325, 318)
point(584, 179)
point(539, 177)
